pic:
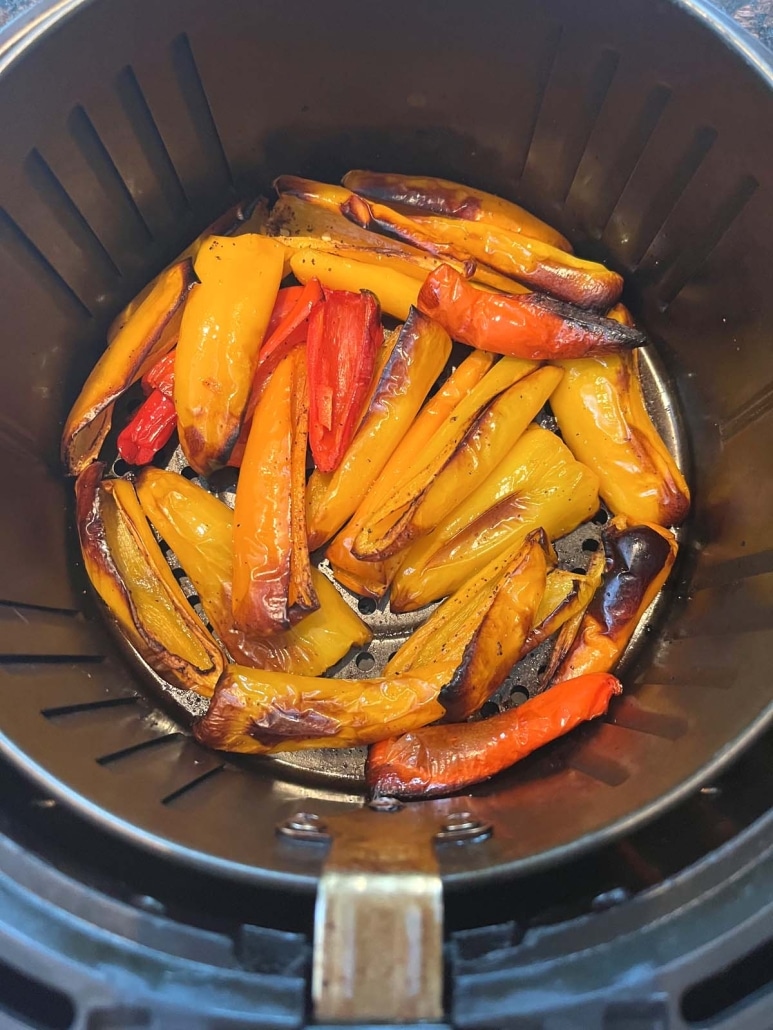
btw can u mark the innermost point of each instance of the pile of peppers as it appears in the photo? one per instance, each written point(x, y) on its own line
point(310, 346)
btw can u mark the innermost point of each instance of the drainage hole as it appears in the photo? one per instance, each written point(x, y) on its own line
point(590, 544)
point(365, 661)
point(366, 606)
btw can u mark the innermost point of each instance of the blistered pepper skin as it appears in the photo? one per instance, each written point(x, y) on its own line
point(534, 326)
point(639, 558)
point(424, 194)
point(600, 409)
point(262, 713)
point(219, 345)
point(443, 759)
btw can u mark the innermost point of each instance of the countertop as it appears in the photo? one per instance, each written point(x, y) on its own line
point(756, 17)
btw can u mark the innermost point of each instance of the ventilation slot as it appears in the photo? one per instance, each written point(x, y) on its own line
point(67, 215)
point(150, 140)
point(23, 253)
point(192, 89)
point(739, 983)
point(544, 75)
point(32, 1002)
point(749, 413)
point(692, 260)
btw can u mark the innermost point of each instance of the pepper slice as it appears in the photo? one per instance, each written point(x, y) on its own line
point(259, 713)
point(344, 335)
point(199, 529)
point(263, 539)
point(219, 344)
point(639, 561)
point(443, 759)
point(416, 358)
point(532, 326)
point(422, 193)
point(373, 578)
point(150, 428)
point(161, 376)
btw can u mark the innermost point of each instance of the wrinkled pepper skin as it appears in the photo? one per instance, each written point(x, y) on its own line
point(149, 333)
point(422, 194)
point(343, 339)
point(600, 409)
point(261, 713)
point(416, 360)
point(372, 578)
point(639, 559)
point(534, 326)
point(149, 429)
point(397, 292)
point(263, 511)
point(220, 338)
point(481, 629)
point(303, 225)
point(486, 444)
point(389, 529)
point(443, 759)
point(566, 597)
point(131, 575)
point(538, 484)
point(199, 529)
point(301, 595)
point(533, 263)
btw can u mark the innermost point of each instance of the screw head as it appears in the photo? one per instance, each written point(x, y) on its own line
point(463, 828)
point(304, 826)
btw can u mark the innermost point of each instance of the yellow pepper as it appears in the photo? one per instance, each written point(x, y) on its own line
point(260, 713)
point(199, 529)
point(422, 194)
point(372, 578)
point(131, 575)
point(419, 353)
point(538, 484)
point(267, 499)
point(482, 628)
point(396, 291)
point(220, 337)
point(389, 528)
point(600, 408)
point(143, 338)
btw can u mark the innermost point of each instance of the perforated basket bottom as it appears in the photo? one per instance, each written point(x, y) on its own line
point(390, 630)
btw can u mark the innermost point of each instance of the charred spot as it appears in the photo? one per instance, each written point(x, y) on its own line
point(635, 556)
point(614, 335)
point(281, 724)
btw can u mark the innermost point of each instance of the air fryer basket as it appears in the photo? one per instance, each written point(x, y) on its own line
point(635, 126)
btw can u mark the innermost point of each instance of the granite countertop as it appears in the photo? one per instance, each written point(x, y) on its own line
point(755, 16)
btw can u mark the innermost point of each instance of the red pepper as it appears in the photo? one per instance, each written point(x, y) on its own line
point(344, 335)
point(442, 759)
point(287, 329)
point(161, 376)
point(149, 429)
point(528, 325)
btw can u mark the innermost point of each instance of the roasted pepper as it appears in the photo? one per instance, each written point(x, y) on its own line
point(148, 430)
point(481, 629)
point(149, 333)
point(396, 291)
point(301, 595)
point(303, 225)
point(639, 558)
point(443, 759)
point(534, 326)
point(539, 483)
point(160, 376)
point(567, 596)
point(263, 515)
point(534, 263)
point(220, 338)
point(373, 578)
point(199, 529)
point(344, 336)
point(131, 575)
point(261, 713)
point(427, 194)
point(486, 443)
point(316, 210)
point(600, 408)
point(389, 529)
point(418, 355)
